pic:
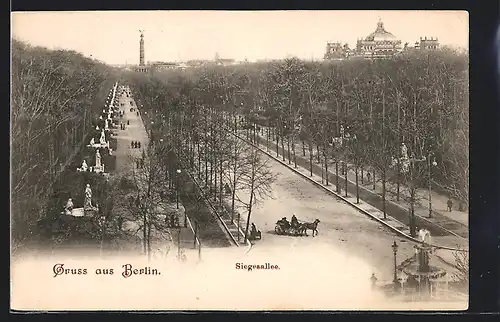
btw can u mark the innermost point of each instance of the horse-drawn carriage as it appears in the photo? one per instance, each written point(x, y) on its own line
point(254, 233)
point(295, 228)
point(283, 227)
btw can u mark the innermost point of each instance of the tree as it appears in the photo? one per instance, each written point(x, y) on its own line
point(258, 182)
point(416, 97)
point(239, 165)
point(462, 264)
point(53, 92)
point(149, 206)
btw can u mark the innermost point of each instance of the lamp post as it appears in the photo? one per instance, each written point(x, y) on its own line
point(151, 136)
point(431, 164)
point(395, 251)
point(177, 187)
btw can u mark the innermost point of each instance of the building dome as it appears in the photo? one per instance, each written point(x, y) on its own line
point(380, 34)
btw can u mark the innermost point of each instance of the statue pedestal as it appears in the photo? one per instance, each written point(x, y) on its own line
point(98, 145)
point(97, 169)
point(78, 212)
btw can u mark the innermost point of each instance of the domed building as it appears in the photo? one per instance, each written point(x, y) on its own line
point(378, 44)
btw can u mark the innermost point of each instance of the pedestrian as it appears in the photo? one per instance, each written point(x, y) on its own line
point(461, 206)
point(373, 279)
point(137, 113)
point(449, 204)
point(139, 144)
point(132, 144)
point(128, 122)
point(368, 177)
point(137, 164)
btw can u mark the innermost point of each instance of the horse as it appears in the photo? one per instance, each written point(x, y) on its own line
point(309, 226)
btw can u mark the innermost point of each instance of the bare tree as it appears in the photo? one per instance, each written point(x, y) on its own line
point(150, 206)
point(257, 181)
point(239, 166)
point(462, 265)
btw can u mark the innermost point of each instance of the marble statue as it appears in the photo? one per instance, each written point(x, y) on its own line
point(69, 207)
point(97, 127)
point(425, 236)
point(97, 159)
point(102, 140)
point(92, 141)
point(106, 125)
point(84, 165)
point(87, 204)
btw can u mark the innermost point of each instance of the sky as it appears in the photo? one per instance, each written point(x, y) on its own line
point(113, 36)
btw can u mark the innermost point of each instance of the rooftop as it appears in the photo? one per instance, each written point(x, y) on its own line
point(380, 34)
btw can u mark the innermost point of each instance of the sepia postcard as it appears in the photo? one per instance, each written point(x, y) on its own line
point(239, 160)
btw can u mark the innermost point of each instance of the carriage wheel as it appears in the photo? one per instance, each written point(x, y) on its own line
point(278, 230)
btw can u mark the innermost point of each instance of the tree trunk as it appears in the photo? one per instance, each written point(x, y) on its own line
point(303, 149)
point(337, 185)
point(249, 213)
point(145, 232)
point(283, 145)
point(317, 153)
point(357, 184)
point(267, 138)
point(413, 232)
point(294, 154)
point(289, 154)
point(362, 175)
point(397, 180)
point(383, 193)
point(325, 155)
point(220, 183)
point(149, 242)
point(233, 192)
point(199, 159)
point(277, 146)
point(310, 157)
point(322, 173)
point(214, 167)
point(345, 177)
point(206, 162)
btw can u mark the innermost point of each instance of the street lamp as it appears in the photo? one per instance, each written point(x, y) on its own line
point(177, 186)
point(431, 164)
point(395, 251)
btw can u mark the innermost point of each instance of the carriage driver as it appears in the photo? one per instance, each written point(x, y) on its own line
point(294, 222)
point(253, 232)
point(285, 223)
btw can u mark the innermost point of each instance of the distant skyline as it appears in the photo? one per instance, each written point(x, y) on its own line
point(113, 36)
